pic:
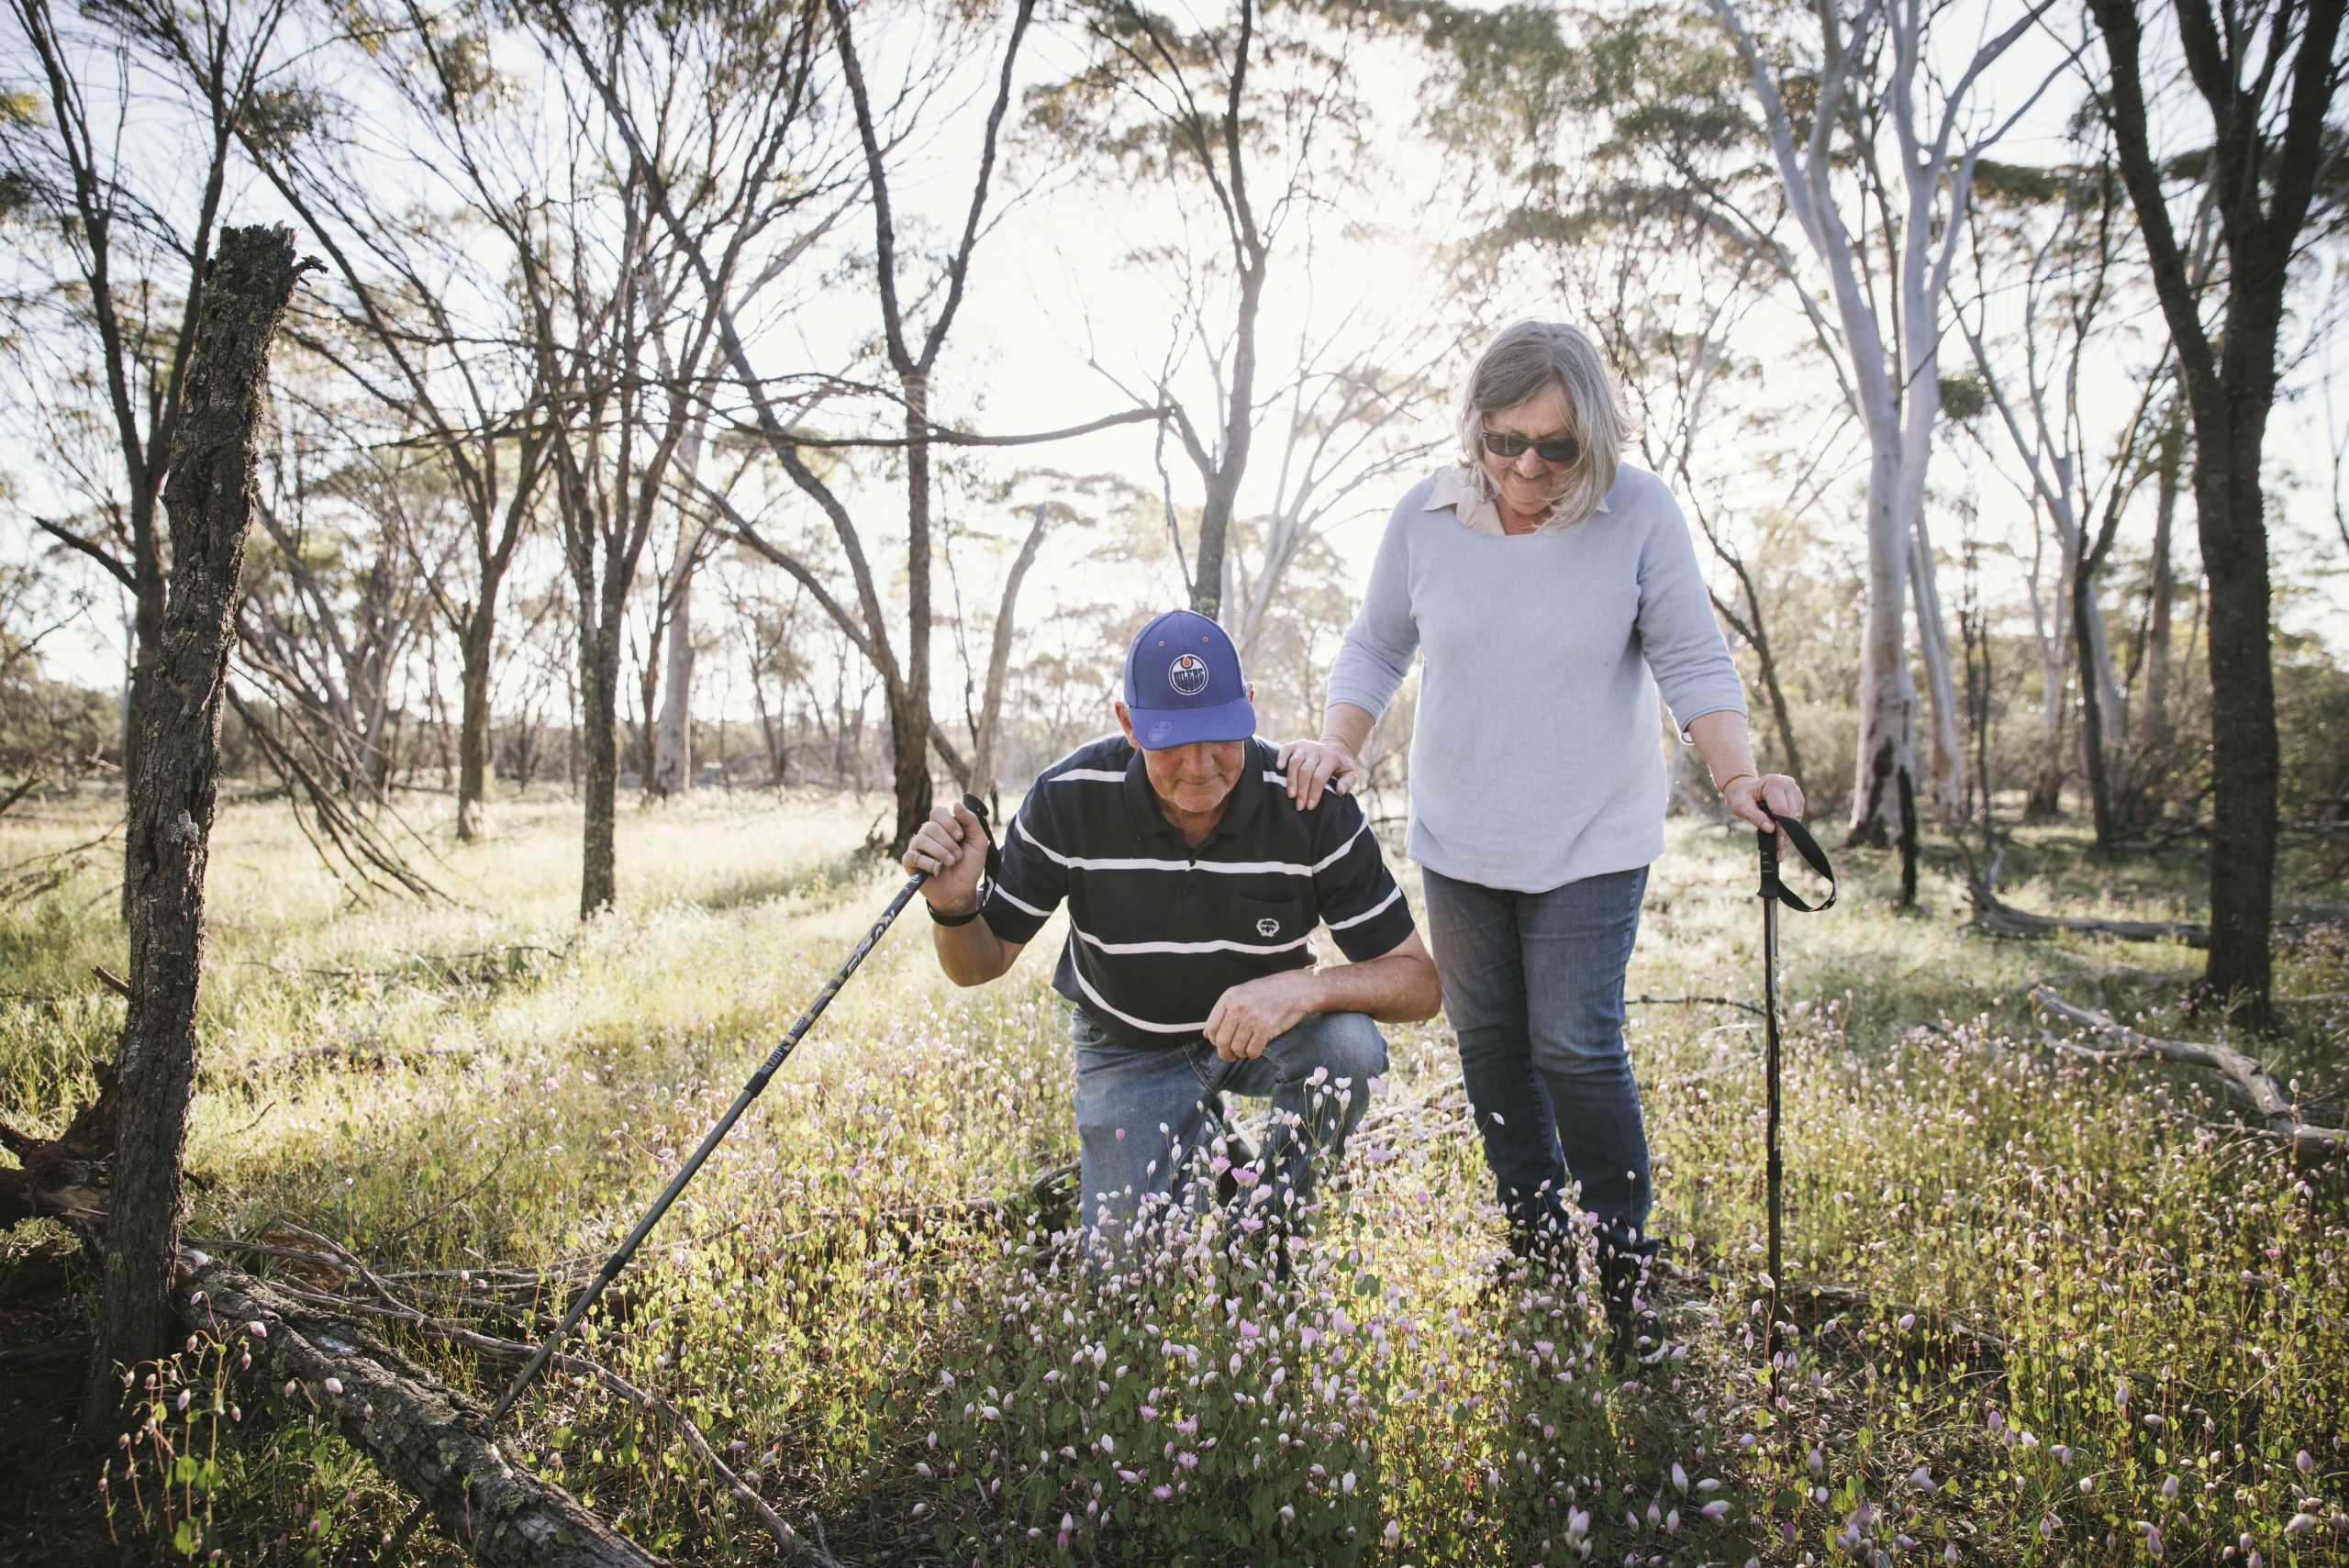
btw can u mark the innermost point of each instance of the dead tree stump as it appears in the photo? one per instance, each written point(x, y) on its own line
point(210, 499)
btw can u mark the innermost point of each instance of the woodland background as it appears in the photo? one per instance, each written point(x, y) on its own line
point(710, 432)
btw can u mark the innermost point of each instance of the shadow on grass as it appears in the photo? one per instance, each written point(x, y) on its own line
point(478, 974)
point(821, 882)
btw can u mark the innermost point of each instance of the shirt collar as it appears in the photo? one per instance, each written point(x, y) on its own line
point(1241, 808)
point(1454, 489)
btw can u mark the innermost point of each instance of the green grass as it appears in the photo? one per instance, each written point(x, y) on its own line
point(444, 1087)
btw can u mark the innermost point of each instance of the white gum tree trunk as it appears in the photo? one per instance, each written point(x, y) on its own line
point(1886, 354)
point(673, 737)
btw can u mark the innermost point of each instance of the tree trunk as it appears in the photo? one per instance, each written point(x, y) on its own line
point(2093, 655)
point(772, 728)
point(1887, 689)
point(909, 702)
point(571, 743)
point(648, 695)
point(2231, 387)
point(1932, 646)
point(1908, 840)
point(983, 758)
point(1214, 528)
point(599, 686)
point(2092, 707)
point(673, 737)
point(2043, 797)
point(478, 648)
point(2152, 727)
point(2244, 761)
point(419, 1433)
point(208, 500)
point(1239, 431)
point(909, 769)
point(147, 637)
point(1978, 676)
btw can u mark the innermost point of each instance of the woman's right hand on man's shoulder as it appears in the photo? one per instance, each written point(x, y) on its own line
point(1315, 765)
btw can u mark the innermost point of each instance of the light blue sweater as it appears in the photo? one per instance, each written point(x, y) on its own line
point(1536, 759)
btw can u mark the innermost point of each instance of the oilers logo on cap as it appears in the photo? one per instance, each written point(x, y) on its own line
point(1182, 683)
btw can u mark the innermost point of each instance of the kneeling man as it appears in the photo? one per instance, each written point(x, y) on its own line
point(1194, 885)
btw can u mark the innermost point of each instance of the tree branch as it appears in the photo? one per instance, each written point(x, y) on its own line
point(2275, 1107)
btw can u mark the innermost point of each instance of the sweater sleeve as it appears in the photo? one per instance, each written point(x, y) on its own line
point(1384, 637)
point(1678, 635)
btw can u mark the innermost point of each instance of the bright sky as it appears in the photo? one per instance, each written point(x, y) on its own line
point(1056, 281)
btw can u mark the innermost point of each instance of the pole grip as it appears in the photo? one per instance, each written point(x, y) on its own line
point(978, 808)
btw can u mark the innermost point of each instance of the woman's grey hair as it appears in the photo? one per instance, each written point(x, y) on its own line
point(1518, 365)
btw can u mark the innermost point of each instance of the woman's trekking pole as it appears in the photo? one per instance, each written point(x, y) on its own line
point(1772, 894)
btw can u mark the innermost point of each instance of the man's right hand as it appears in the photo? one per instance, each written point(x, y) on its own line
point(953, 849)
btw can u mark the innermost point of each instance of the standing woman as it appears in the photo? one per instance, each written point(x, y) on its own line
point(1553, 590)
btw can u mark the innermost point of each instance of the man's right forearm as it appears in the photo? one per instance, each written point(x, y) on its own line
point(971, 954)
point(1348, 725)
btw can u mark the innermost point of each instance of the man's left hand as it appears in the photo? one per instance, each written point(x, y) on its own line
point(1254, 1014)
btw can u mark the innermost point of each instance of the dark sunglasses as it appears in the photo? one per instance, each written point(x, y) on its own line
point(1565, 450)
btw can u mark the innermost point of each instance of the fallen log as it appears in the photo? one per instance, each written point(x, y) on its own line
point(430, 1441)
point(1995, 915)
point(68, 1352)
point(2275, 1107)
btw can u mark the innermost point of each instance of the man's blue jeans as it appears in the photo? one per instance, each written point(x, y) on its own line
point(1148, 1120)
point(1533, 987)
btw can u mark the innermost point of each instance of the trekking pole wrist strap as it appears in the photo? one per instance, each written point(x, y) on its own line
point(1808, 848)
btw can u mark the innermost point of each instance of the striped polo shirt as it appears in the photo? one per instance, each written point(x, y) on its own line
point(1158, 929)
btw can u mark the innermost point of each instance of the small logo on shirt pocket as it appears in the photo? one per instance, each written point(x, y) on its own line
point(1268, 926)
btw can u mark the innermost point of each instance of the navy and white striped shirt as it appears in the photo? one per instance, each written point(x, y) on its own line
point(1158, 930)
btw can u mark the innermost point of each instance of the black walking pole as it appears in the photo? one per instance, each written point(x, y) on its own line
point(710, 1140)
point(724, 1124)
point(1772, 894)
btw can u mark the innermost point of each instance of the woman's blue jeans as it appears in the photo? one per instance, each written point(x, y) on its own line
point(1533, 987)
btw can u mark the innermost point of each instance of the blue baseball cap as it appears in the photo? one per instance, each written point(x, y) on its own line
point(1183, 685)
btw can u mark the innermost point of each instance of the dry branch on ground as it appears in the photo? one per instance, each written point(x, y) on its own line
point(2282, 1119)
point(1994, 914)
